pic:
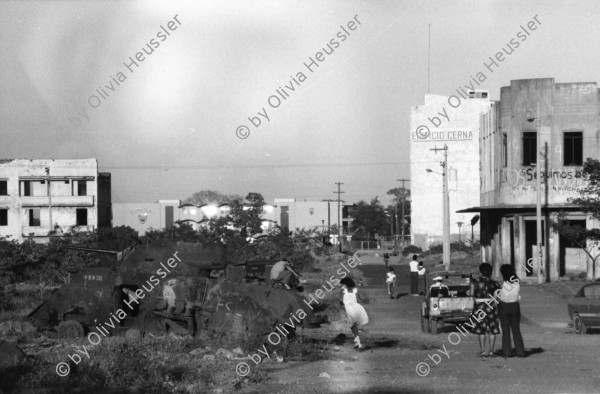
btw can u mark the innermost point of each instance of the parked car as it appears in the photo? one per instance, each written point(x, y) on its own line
point(584, 308)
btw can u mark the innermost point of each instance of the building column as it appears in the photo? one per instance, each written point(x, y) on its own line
point(553, 249)
point(520, 252)
point(505, 237)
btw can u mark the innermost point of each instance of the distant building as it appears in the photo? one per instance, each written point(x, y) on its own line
point(569, 115)
point(142, 217)
point(164, 214)
point(290, 214)
point(453, 121)
point(79, 198)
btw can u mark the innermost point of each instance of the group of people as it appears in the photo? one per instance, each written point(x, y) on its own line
point(417, 278)
point(492, 303)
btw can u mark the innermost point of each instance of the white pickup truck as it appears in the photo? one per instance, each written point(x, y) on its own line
point(450, 304)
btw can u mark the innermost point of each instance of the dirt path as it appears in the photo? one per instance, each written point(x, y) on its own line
point(558, 361)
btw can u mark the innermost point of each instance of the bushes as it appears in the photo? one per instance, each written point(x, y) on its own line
point(411, 249)
point(454, 247)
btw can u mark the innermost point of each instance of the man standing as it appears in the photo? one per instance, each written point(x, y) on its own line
point(282, 272)
point(414, 276)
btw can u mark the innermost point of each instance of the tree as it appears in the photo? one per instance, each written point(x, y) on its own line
point(370, 218)
point(401, 194)
point(211, 197)
point(589, 201)
point(236, 230)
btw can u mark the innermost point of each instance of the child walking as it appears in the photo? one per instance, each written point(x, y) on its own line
point(390, 280)
point(356, 312)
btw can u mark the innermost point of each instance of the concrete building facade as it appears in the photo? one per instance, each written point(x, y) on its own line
point(164, 214)
point(568, 134)
point(455, 122)
point(38, 195)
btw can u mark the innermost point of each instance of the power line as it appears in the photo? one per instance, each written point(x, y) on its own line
point(213, 166)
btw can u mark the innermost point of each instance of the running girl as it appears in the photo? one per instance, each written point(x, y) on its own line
point(356, 312)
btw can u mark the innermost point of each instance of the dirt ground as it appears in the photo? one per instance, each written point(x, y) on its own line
point(557, 360)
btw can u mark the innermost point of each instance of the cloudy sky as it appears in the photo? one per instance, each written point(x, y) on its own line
point(167, 127)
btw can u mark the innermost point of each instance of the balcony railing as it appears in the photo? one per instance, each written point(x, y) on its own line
point(42, 231)
point(58, 201)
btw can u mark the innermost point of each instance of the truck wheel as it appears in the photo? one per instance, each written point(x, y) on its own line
point(424, 325)
point(433, 326)
point(580, 328)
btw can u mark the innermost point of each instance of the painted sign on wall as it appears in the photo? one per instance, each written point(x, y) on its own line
point(424, 134)
point(552, 177)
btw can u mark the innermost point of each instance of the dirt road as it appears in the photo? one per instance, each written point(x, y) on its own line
point(558, 361)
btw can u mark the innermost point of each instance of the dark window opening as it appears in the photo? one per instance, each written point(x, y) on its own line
point(34, 218)
point(573, 155)
point(529, 148)
point(81, 188)
point(82, 217)
point(3, 188)
point(3, 217)
point(26, 188)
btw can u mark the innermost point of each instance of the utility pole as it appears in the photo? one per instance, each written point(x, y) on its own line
point(446, 244)
point(538, 193)
point(339, 200)
point(328, 215)
point(538, 197)
point(49, 196)
point(403, 202)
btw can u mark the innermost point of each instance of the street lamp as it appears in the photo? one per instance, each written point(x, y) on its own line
point(390, 222)
point(538, 191)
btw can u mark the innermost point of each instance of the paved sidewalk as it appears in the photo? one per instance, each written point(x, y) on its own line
point(543, 308)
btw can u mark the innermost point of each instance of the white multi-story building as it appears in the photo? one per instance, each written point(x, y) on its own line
point(36, 196)
point(453, 122)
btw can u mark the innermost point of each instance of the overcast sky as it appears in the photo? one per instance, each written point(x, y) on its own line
point(168, 127)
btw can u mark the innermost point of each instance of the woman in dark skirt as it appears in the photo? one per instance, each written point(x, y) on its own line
point(484, 319)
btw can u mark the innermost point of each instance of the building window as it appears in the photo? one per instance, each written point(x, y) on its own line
point(3, 188)
point(529, 148)
point(504, 150)
point(573, 142)
point(3, 217)
point(82, 217)
point(26, 188)
point(81, 188)
point(34, 217)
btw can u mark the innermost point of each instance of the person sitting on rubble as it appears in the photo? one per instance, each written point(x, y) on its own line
point(438, 289)
point(282, 272)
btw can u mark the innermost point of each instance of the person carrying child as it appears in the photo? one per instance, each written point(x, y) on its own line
point(356, 313)
point(422, 278)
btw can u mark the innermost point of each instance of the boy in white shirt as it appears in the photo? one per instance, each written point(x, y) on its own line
point(390, 280)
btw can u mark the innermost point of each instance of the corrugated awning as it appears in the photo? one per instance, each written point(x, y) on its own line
point(520, 207)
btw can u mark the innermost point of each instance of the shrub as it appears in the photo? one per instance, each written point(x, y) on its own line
point(411, 249)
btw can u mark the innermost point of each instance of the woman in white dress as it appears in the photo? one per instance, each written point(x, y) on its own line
point(356, 313)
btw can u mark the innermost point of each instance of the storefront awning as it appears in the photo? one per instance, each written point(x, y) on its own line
point(520, 208)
